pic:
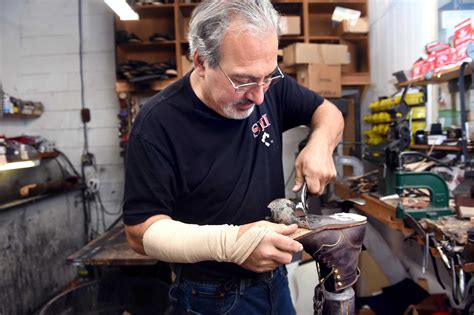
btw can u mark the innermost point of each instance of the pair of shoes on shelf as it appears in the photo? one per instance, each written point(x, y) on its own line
point(137, 71)
point(159, 37)
point(168, 68)
point(122, 37)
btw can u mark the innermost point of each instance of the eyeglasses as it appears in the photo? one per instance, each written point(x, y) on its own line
point(245, 87)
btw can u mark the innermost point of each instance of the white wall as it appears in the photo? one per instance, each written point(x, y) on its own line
point(399, 29)
point(39, 61)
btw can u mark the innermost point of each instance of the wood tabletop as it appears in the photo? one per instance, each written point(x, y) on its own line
point(109, 249)
point(384, 211)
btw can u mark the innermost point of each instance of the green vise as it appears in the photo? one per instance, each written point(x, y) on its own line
point(439, 194)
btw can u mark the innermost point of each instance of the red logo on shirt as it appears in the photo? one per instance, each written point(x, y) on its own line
point(260, 125)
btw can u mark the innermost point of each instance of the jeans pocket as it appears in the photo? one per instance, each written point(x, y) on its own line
point(210, 298)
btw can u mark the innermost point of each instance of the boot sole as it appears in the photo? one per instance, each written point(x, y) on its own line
point(320, 226)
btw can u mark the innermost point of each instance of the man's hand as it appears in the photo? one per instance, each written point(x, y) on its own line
point(275, 249)
point(315, 165)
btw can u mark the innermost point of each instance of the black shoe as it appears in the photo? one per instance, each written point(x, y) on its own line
point(122, 37)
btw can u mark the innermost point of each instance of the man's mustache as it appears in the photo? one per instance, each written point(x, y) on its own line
point(244, 102)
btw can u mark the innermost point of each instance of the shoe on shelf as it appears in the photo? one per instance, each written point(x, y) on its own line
point(159, 37)
point(122, 37)
point(172, 73)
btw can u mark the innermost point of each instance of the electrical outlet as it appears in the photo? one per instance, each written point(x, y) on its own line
point(87, 159)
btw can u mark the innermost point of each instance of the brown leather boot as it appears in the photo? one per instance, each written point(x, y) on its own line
point(334, 240)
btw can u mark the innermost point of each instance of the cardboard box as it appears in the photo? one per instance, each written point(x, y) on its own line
point(290, 25)
point(321, 78)
point(360, 26)
point(329, 54)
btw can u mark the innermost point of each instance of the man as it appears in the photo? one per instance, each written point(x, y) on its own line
point(205, 159)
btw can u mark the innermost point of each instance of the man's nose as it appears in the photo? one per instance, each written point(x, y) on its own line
point(256, 94)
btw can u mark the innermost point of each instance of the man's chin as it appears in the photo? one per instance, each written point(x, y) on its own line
point(239, 112)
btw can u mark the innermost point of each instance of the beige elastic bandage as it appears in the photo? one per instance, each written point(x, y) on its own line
point(174, 241)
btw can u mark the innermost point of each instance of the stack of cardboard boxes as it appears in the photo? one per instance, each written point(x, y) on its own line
point(318, 66)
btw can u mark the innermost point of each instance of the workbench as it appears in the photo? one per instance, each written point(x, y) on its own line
point(109, 249)
point(384, 212)
point(122, 281)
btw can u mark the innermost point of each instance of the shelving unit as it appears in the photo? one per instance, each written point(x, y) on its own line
point(440, 77)
point(437, 78)
point(173, 18)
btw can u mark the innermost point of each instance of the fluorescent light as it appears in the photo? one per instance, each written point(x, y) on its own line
point(17, 165)
point(122, 9)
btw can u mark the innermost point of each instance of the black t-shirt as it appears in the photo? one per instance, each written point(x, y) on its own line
point(186, 161)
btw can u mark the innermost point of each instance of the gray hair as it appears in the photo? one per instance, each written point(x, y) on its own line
point(211, 19)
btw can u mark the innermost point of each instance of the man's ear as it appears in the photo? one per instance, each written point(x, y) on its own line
point(198, 62)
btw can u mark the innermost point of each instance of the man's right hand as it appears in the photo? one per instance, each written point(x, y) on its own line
point(275, 249)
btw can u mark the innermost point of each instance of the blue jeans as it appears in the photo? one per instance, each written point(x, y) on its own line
point(242, 296)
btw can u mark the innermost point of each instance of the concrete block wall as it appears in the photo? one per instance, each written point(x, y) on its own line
point(34, 243)
point(39, 61)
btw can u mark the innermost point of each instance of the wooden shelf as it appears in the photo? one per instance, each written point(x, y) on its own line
point(147, 46)
point(354, 36)
point(145, 10)
point(292, 38)
point(324, 38)
point(20, 116)
point(449, 148)
point(154, 86)
point(188, 5)
point(26, 201)
point(356, 78)
point(439, 77)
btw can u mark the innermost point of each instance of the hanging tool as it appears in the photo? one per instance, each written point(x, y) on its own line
point(429, 240)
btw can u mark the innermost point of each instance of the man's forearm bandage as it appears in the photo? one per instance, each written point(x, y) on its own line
point(174, 241)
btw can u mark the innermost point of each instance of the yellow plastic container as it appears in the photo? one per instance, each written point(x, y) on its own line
point(386, 104)
point(415, 98)
point(417, 125)
point(418, 112)
point(374, 106)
